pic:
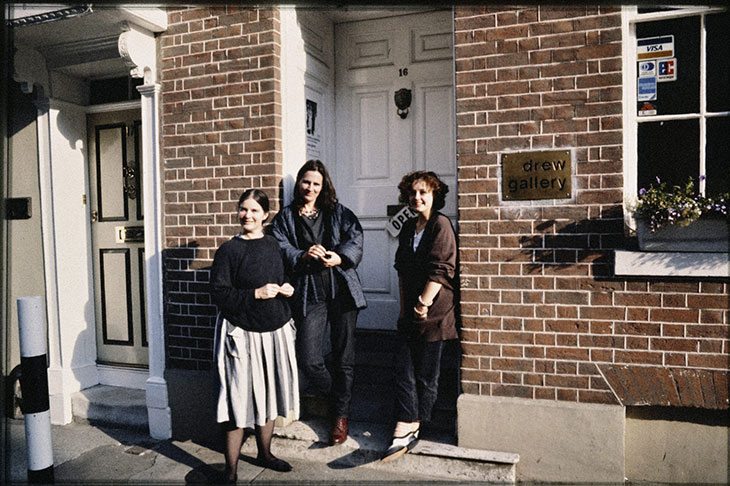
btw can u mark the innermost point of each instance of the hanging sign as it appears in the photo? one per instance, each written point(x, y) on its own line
point(667, 70)
point(646, 89)
point(536, 175)
point(655, 48)
point(395, 224)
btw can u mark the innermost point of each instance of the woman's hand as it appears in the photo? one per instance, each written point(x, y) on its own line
point(286, 290)
point(331, 259)
point(315, 252)
point(420, 312)
point(268, 291)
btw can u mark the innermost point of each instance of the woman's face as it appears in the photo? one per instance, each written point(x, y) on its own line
point(421, 198)
point(252, 216)
point(310, 185)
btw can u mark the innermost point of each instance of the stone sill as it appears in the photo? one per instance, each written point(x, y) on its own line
point(671, 264)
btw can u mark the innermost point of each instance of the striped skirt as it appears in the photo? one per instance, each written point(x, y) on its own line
point(257, 372)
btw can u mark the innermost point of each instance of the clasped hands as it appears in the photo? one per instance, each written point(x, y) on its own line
point(271, 290)
point(319, 252)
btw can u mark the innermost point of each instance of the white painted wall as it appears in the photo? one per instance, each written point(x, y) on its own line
point(307, 65)
point(66, 228)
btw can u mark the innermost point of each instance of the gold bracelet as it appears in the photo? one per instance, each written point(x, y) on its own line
point(424, 304)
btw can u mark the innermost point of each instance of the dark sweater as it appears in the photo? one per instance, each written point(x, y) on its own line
point(239, 268)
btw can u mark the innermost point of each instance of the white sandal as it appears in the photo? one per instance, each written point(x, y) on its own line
point(400, 446)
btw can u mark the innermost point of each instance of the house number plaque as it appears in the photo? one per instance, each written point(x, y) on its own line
point(536, 175)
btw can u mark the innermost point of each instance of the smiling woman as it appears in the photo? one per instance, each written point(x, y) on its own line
point(322, 242)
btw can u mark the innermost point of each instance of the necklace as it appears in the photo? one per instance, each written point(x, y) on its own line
point(309, 214)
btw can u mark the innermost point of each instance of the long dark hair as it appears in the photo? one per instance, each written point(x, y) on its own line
point(439, 187)
point(327, 196)
point(257, 195)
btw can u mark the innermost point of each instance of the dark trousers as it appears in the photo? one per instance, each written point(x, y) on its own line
point(311, 331)
point(417, 367)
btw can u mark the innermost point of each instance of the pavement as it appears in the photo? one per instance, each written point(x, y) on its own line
point(86, 453)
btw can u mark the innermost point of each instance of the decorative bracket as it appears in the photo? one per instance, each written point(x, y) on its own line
point(137, 49)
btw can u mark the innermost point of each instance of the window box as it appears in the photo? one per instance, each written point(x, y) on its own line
point(702, 235)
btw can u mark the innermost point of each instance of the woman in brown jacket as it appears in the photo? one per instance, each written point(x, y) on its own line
point(426, 262)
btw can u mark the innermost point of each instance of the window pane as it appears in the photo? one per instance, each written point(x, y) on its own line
point(682, 95)
point(668, 150)
point(718, 62)
point(717, 165)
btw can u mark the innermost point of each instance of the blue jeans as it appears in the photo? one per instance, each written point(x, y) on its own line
point(417, 367)
point(311, 331)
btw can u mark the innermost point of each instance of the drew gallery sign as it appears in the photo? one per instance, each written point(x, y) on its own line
point(536, 175)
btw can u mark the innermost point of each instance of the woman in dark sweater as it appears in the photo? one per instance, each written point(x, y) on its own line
point(322, 242)
point(426, 262)
point(254, 340)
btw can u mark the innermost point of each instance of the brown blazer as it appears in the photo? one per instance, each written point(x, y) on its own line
point(434, 259)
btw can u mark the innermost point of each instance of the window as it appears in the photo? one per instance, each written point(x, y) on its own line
point(681, 122)
point(676, 74)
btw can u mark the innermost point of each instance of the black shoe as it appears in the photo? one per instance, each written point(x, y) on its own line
point(274, 464)
point(222, 479)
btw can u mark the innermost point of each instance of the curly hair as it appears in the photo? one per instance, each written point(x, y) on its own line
point(439, 188)
point(327, 196)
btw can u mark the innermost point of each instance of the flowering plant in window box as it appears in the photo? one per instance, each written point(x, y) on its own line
point(681, 219)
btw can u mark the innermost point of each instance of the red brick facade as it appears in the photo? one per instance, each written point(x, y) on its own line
point(221, 121)
point(543, 314)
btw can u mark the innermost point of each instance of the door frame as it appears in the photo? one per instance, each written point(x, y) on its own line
point(121, 376)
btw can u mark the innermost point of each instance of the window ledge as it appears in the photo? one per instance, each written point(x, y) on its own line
point(672, 264)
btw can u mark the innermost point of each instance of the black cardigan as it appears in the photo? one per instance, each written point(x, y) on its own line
point(434, 259)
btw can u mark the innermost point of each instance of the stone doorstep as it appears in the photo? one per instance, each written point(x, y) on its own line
point(110, 405)
point(308, 439)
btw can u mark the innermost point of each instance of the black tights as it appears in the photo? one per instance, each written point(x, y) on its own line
point(234, 442)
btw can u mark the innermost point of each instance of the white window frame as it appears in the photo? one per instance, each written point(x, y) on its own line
point(659, 263)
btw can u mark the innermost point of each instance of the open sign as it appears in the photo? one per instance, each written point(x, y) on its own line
point(399, 219)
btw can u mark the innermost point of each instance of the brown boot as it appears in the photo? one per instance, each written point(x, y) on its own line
point(339, 431)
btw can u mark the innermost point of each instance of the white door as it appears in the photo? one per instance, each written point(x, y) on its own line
point(376, 146)
point(118, 237)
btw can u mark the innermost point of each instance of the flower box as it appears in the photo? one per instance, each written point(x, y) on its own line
point(702, 235)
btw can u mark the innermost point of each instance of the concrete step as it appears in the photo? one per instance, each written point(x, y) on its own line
point(111, 405)
point(435, 455)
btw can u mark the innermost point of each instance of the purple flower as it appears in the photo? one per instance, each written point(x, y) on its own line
point(642, 191)
point(658, 180)
point(703, 177)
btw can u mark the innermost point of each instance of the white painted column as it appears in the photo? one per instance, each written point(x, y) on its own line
point(158, 409)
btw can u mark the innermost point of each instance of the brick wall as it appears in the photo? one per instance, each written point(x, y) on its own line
point(543, 315)
point(221, 134)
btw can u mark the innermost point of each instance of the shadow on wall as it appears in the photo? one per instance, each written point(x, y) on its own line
point(189, 332)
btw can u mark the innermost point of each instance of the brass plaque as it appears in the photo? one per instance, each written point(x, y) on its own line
point(536, 175)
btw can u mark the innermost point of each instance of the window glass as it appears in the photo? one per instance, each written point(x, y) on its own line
point(717, 166)
point(683, 94)
point(668, 150)
point(718, 62)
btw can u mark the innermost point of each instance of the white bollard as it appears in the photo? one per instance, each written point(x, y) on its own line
point(34, 387)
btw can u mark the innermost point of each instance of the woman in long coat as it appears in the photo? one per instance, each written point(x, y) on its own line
point(426, 263)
